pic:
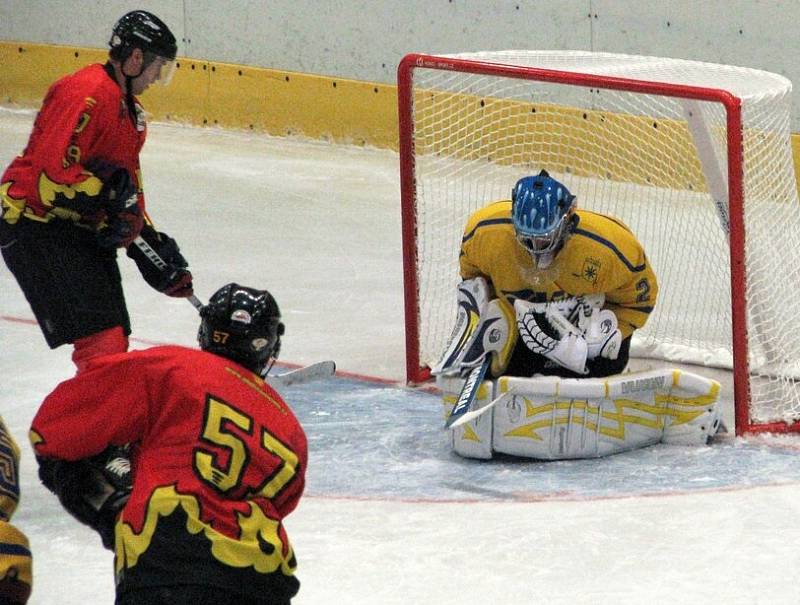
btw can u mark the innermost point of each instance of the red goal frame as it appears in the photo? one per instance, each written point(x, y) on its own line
point(733, 107)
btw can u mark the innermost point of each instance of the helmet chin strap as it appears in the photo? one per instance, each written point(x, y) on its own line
point(265, 370)
point(129, 90)
point(129, 98)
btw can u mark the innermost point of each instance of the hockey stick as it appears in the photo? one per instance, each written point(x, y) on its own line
point(472, 415)
point(154, 258)
point(195, 302)
point(468, 392)
point(315, 371)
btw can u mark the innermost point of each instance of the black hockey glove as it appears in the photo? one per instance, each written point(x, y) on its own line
point(161, 263)
point(120, 203)
point(93, 490)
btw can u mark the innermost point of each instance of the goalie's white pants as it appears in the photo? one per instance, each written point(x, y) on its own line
point(555, 418)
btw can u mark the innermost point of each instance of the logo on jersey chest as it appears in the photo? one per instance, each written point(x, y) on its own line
point(590, 270)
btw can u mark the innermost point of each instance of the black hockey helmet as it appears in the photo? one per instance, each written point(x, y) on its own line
point(242, 324)
point(141, 29)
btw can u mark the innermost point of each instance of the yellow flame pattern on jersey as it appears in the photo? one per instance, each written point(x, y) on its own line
point(49, 189)
point(35, 438)
point(12, 208)
point(246, 551)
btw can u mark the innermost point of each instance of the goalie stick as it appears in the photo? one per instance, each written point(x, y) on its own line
point(468, 392)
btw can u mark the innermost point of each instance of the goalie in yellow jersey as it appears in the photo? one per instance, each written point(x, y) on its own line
point(551, 296)
point(16, 565)
point(562, 290)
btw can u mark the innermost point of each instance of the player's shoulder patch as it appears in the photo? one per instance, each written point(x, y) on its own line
point(591, 269)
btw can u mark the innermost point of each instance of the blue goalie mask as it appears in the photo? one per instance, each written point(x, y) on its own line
point(541, 210)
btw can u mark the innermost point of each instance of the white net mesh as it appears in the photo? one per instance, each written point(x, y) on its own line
point(658, 163)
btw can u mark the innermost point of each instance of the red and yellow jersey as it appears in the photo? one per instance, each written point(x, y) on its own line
point(83, 122)
point(602, 256)
point(219, 460)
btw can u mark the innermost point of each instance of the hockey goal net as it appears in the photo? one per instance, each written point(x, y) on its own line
point(696, 158)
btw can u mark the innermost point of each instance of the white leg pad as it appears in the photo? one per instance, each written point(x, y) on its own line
point(695, 415)
point(551, 418)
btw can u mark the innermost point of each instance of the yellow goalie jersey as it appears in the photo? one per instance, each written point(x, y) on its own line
point(601, 256)
point(16, 565)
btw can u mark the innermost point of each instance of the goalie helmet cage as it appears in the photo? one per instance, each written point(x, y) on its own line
point(694, 157)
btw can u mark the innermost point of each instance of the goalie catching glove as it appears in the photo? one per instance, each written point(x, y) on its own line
point(161, 263)
point(93, 490)
point(571, 331)
point(547, 332)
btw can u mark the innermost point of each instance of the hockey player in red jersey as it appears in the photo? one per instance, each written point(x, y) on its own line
point(217, 459)
point(74, 196)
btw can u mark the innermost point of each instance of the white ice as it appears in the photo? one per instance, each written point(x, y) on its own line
point(319, 225)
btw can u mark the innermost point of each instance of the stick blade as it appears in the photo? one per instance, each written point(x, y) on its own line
point(473, 414)
point(316, 371)
point(468, 392)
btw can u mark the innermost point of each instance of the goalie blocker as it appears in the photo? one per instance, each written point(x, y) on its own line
point(484, 326)
point(553, 418)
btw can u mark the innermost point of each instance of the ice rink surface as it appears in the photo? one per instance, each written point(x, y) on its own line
point(391, 515)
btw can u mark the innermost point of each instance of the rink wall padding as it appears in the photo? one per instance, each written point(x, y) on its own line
point(280, 103)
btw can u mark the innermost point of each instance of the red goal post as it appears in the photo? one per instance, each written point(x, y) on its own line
point(694, 157)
